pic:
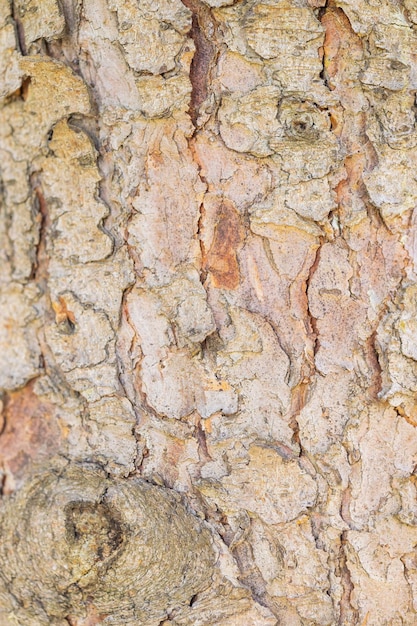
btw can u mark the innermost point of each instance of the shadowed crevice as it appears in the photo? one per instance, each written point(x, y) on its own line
point(205, 54)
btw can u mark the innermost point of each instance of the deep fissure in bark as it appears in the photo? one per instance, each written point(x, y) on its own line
point(40, 265)
point(204, 56)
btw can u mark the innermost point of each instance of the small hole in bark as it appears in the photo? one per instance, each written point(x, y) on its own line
point(93, 529)
point(24, 89)
point(397, 65)
point(300, 126)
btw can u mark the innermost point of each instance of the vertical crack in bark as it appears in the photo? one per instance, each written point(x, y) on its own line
point(250, 575)
point(200, 229)
point(342, 44)
point(133, 393)
point(313, 330)
point(4, 399)
point(375, 387)
point(40, 266)
point(298, 402)
point(67, 51)
point(20, 33)
point(348, 614)
point(204, 453)
point(299, 394)
point(323, 74)
point(40, 275)
point(203, 33)
point(342, 51)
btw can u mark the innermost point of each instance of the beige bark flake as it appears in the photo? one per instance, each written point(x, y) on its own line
point(19, 360)
point(10, 75)
point(159, 97)
point(54, 92)
point(272, 31)
point(235, 73)
point(264, 486)
point(152, 34)
point(208, 269)
point(98, 285)
point(247, 123)
point(39, 19)
point(83, 343)
point(69, 181)
point(109, 426)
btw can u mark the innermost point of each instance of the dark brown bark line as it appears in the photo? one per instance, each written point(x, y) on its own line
point(130, 382)
point(20, 93)
point(204, 453)
point(312, 329)
point(20, 34)
point(200, 231)
point(250, 575)
point(299, 397)
point(71, 10)
point(200, 73)
point(204, 60)
point(40, 266)
point(203, 33)
point(65, 48)
point(410, 419)
point(4, 399)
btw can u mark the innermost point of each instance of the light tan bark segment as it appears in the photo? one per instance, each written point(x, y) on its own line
point(208, 288)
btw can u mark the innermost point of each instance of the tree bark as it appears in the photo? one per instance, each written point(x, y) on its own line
point(208, 296)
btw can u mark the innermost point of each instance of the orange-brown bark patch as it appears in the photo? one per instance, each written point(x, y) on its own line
point(341, 46)
point(92, 618)
point(352, 184)
point(29, 430)
point(221, 259)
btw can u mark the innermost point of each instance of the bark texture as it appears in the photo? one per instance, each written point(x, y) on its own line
point(208, 296)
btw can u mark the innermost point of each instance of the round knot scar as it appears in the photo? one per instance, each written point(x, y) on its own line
point(76, 542)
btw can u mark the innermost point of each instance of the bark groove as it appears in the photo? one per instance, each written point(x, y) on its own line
point(208, 295)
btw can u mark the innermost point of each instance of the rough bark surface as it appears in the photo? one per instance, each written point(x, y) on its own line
point(208, 296)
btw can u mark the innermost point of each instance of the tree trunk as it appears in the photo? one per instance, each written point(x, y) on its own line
point(208, 339)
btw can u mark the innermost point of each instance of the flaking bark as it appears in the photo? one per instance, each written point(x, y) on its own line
point(208, 297)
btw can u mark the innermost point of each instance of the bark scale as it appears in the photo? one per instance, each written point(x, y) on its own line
point(208, 299)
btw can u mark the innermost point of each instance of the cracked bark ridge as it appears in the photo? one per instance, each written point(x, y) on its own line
point(76, 543)
point(209, 268)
